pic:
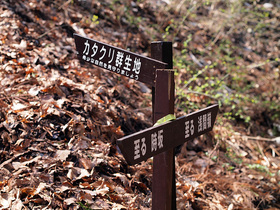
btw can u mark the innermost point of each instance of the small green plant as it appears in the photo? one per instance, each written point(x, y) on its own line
point(213, 158)
point(84, 206)
point(228, 167)
point(95, 20)
point(167, 30)
point(260, 168)
point(233, 156)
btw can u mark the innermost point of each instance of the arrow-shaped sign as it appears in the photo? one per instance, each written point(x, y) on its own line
point(152, 141)
point(118, 60)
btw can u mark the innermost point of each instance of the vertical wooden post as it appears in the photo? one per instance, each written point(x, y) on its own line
point(163, 186)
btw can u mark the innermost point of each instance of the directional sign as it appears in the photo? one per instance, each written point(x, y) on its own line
point(152, 141)
point(118, 60)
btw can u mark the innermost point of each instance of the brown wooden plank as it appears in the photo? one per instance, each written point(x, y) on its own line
point(117, 60)
point(163, 185)
point(142, 145)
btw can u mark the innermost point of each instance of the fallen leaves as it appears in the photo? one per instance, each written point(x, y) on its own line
point(59, 120)
point(58, 128)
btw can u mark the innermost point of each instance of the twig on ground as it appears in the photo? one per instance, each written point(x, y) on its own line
point(258, 138)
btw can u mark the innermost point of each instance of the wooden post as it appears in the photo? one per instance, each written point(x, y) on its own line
point(163, 186)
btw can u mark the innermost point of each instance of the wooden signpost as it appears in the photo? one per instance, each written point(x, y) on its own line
point(159, 141)
point(163, 183)
point(144, 144)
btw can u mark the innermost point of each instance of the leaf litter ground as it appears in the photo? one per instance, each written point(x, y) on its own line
point(60, 120)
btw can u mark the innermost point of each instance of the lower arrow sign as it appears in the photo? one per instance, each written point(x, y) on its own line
point(142, 145)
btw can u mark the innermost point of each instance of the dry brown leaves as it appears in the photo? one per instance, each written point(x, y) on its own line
point(59, 122)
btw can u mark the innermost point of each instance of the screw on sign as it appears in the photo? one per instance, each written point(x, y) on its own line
point(142, 145)
point(117, 60)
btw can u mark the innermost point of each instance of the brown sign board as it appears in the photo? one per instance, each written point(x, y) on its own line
point(117, 60)
point(142, 145)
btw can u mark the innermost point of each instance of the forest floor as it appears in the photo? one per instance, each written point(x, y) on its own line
point(59, 119)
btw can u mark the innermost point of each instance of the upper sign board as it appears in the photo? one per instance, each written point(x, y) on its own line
point(118, 60)
point(152, 141)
